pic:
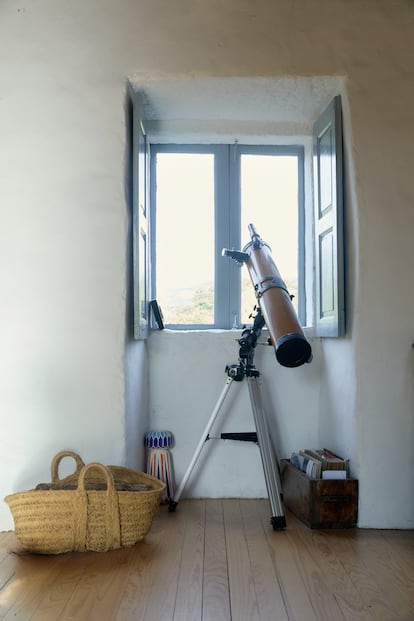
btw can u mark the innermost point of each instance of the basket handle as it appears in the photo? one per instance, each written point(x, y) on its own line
point(113, 529)
point(54, 468)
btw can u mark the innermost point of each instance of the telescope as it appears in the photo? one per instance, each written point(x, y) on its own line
point(276, 311)
point(275, 303)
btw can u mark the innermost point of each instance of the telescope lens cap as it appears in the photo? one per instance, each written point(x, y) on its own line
point(293, 350)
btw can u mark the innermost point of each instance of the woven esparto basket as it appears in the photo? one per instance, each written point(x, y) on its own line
point(122, 475)
point(53, 521)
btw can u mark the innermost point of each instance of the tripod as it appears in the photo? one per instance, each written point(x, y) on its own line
point(236, 373)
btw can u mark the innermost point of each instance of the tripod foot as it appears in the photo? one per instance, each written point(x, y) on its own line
point(172, 506)
point(278, 523)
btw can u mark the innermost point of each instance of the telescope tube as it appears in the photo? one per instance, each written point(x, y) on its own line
point(291, 347)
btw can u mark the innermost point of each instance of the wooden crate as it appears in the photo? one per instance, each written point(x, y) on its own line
point(319, 503)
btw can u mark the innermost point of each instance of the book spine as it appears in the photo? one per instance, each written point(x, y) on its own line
point(332, 461)
point(314, 468)
point(305, 464)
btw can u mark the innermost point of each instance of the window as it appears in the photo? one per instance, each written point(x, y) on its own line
point(202, 199)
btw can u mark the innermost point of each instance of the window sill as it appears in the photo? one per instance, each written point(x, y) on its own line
point(308, 331)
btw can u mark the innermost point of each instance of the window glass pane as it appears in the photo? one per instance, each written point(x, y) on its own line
point(269, 197)
point(185, 237)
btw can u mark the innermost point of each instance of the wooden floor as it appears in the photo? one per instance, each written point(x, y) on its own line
point(218, 560)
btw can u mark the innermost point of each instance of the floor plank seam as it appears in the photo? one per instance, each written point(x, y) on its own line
point(4, 585)
point(227, 559)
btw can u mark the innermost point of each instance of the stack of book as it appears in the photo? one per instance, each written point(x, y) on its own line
point(320, 464)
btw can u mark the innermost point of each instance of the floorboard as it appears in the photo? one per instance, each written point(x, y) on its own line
point(216, 592)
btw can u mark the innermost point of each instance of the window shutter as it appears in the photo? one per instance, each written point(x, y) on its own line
point(140, 242)
point(329, 230)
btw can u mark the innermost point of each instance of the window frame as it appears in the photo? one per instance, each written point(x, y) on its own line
point(227, 225)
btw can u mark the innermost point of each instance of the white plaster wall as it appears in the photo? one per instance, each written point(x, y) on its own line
point(63, 257)
point(63, 219)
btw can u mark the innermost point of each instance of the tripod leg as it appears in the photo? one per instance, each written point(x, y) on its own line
point(270, 466)
point(174, 501)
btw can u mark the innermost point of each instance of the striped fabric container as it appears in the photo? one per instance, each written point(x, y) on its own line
point(159, 464)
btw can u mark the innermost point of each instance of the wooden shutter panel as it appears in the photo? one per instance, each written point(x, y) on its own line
point(329, 229)
point(140, 211)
